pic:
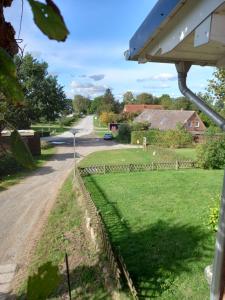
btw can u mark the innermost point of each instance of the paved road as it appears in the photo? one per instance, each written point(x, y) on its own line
point(25, 206)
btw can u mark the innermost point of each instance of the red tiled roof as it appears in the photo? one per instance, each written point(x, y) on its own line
point(132, 108)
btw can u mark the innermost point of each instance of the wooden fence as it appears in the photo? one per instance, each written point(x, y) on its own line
point(116, 263)
point(103, 169)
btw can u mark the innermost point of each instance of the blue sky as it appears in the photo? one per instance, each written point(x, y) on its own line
point(92, 60)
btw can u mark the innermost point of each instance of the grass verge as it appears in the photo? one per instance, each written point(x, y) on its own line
point(64, 232)
point(126, 156)
point(158, 222)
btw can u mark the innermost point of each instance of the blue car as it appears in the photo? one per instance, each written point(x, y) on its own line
point(108, 136)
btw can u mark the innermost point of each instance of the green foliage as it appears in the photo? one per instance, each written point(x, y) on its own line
point(46, 145)
point(124, 133)
point(9, 85)
point(8, 165)
point(17, 115)
point(145, 98)
point(44, 97)
point(216, 88)
point(49, 20)
point(214, 210)
point(211, 155)
point(81, 104)
point(67, 121)
point(128, 98)
point(140, 126)
point(42, 284)
point(107, 117)
point(20, 150)
point(176, 138)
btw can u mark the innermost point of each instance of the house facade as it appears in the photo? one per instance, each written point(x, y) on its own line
point(138, 108)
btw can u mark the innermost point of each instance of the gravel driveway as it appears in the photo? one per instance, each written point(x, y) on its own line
point(25, 206)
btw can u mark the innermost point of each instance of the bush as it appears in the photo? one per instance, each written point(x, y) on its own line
point(8, 165)
point(211, 155)
point(67, 121)
point(124, 133)
point(171, 138)
point(46, 145)
point(214, 214)
point(140, 126)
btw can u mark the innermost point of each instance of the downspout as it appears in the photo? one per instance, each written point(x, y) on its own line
point(182, 69)
point(218, 279)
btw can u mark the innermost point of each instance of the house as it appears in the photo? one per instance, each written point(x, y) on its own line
point(169, 119)
point(137, 108)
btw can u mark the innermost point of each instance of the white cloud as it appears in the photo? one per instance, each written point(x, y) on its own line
point(97, 77)
point(87, 89)
point(159, 77)
point(157, 86)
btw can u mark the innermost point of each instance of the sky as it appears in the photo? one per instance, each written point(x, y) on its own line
point(92, 58)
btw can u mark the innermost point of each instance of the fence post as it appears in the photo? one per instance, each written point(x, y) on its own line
point(104, 169)
point(152, 166)
point(177, 165)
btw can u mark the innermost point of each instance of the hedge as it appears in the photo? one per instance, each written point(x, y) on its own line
point(170, 138)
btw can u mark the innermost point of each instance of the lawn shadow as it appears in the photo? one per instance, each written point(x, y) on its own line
point(156, 255)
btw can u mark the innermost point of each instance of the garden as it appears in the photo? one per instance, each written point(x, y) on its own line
point(160, 222)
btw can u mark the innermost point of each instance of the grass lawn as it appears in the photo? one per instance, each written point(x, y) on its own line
point(158, 222)
point(9, 180)
point(126, 156)
point(64, 233)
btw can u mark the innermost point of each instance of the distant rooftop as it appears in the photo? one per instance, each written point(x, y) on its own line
point(165, 119)
point(132, 108)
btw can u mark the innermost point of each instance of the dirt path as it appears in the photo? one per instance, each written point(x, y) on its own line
point(24, 207)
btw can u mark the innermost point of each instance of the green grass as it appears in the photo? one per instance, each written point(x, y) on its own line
point(12, 179)
point(126, 156)
point(158, 221)
point(64, 233)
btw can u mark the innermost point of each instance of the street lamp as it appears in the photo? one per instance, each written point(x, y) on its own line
point(74, 131)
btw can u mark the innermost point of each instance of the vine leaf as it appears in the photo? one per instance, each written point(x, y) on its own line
point(49, 20)
point(9, 85)
point(20, 150)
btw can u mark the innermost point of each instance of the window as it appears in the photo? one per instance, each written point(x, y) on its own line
point(197, 124)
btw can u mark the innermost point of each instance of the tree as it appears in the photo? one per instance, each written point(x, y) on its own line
point(108, 117)
point(145, 98)
point(108, 103)
point(81, 104)
point(216, 88)
point(96, 105)
point(44, 97)
point(128, 97)
point(166, 101)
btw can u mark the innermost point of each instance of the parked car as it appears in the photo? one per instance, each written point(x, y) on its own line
point(108, 136)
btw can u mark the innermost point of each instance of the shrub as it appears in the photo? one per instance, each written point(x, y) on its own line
point(67, 121)
point(124, 133)
point(107, 117)
point(8, 165)
point(214, 214)
point(140, 126)
point(211, 155)
point(171, 138)
point(46, 145)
